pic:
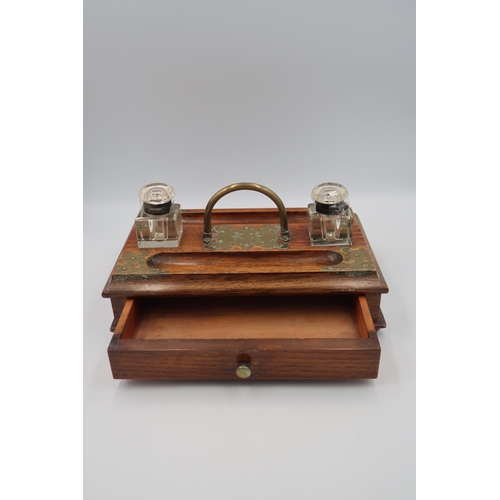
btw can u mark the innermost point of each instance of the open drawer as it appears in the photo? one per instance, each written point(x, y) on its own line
point(257, 337)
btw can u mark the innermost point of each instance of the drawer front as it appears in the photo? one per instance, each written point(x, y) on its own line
point(298, 359)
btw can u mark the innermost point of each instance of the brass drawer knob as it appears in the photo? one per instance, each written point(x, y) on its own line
point(243, 371)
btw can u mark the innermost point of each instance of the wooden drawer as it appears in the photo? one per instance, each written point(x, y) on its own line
point(275, 337)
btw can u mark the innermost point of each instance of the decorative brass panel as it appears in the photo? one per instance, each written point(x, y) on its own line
point(134, 265)
point(355, 260)
point(266, 237)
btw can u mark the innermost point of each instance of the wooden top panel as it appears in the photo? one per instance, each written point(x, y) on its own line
point(191, 269)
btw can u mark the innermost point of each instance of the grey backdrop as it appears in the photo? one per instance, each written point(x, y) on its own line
point(201, 94)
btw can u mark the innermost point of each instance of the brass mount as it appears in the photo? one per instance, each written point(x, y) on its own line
point(244, 186)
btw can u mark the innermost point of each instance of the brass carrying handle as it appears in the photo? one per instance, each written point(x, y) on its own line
point(244, 186)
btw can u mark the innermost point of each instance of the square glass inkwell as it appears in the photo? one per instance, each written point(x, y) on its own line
point(159, 223)
point(330, 216)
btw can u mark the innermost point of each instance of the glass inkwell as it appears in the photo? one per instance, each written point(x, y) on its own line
point(330, 216)
point(159, 223)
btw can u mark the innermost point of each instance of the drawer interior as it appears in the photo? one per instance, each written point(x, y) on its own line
point(246, 317)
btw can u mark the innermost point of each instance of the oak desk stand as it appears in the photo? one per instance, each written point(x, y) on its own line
point(244, 308)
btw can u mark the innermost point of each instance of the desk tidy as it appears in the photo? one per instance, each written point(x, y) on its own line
point(229, 294)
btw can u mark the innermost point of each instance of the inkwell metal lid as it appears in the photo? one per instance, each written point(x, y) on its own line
point(330, 198)
point(157, 198)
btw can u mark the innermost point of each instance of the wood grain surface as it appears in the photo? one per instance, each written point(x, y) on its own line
point(270, 359)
